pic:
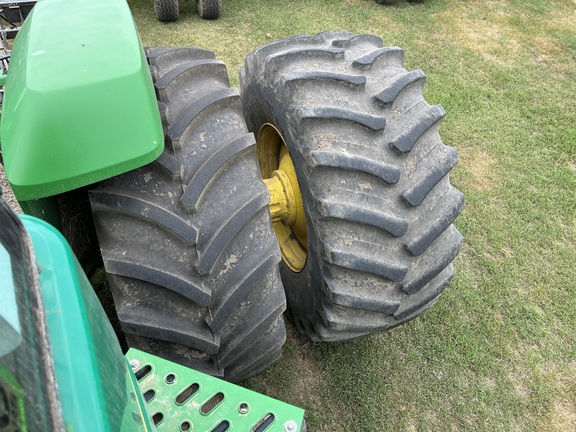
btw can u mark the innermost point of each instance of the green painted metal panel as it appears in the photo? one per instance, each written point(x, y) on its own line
point(79, 105)
point(95, 384)
point(182, 399)
point(45, 209)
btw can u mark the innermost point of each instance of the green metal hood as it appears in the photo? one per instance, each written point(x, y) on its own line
point(79, 104)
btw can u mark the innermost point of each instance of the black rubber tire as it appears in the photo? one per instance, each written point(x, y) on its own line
point(166, 10)
point(209, 9)
point(373, 174)
point(187, 241)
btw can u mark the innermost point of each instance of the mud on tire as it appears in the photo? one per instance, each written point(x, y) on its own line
point(373, 174)
point(186, 240)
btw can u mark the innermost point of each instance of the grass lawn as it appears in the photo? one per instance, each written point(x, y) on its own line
point(498, 351)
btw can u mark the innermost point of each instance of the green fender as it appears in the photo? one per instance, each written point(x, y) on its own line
point(79, 104)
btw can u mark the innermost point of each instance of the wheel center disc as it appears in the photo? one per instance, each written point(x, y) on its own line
point(286, 206)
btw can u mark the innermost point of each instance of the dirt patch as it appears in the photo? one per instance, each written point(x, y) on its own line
point(477, 165)
point(489, 37)
point(546, 46)
point(304, 387)
point(304, 359)
point(561, 19)
point(549, 53)
point(562, 416)
point(519, 385)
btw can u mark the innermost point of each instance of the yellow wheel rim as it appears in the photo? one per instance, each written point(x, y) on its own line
point(286, 207)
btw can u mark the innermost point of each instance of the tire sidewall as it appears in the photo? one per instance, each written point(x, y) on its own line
point(302, 288)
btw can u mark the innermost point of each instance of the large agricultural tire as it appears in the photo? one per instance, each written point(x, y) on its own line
point(166, 10)
point(209, 9)
point(187, 241)
point(373, 178)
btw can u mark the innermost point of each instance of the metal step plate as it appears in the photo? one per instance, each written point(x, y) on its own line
point(181, 399)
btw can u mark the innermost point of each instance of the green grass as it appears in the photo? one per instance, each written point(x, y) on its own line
point(498, 351)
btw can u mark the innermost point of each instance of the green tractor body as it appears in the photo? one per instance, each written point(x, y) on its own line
point(79, 105)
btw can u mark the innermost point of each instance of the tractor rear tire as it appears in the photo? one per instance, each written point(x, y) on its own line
point(187, 240)
point(166, 10)
point(373, 177)
point(209, 9)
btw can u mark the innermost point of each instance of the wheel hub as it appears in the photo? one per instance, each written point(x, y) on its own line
point(286, 207)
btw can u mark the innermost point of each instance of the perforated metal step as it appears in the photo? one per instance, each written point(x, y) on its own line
point(181, 399)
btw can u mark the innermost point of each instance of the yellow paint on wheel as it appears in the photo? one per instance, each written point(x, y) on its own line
point(286, 207)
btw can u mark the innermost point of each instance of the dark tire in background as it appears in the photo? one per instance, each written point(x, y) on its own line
point(166, 10)
point(209, 9)
point(187, 241)
point(373, 176)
